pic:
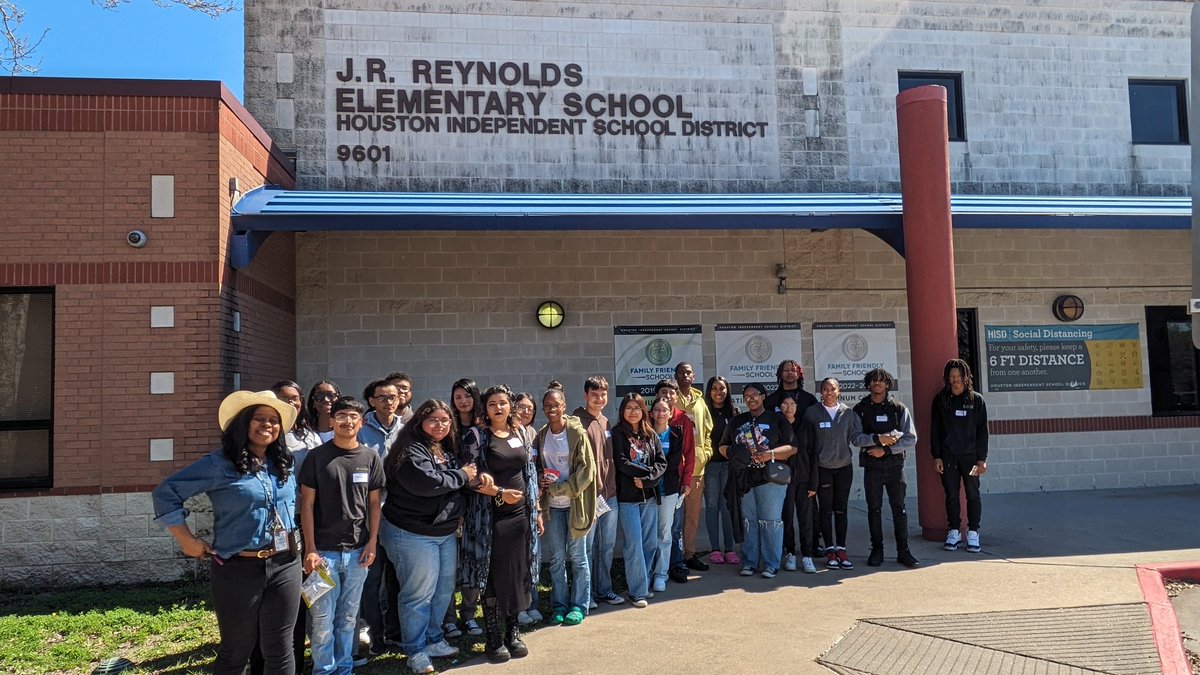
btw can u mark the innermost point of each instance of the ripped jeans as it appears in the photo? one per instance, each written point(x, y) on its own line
point(335, 614)
point(762, 508)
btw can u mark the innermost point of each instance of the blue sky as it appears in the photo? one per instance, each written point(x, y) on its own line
point(140, 40)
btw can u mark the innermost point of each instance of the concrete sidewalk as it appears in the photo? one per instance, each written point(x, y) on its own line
point(1041, 551)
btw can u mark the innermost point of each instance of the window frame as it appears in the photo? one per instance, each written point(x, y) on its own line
point(955, 119)
point(47, 424)
point(1181, 111)
point(1158, 360)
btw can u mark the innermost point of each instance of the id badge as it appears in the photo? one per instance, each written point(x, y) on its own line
point(281, 541)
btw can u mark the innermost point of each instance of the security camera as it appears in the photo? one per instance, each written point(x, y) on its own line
point(1194, 306)
point(136, 238)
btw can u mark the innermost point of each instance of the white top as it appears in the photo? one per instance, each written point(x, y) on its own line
point(556, 455)
point(832, 411)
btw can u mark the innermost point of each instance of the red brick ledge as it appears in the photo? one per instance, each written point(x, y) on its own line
point(1167, 637)
point(78, 491)
point(1082, 424)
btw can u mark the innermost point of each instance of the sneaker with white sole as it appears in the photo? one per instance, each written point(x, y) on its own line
point(441, 650)
point(638, 602)
point(807, 564)
point(973, 542)
point(472, 627)
point(831, 559)
point(524, 619)
point(953, 537)
point(420, 663)
point(660, 585)
point(536, 615)
point(592, 604)
point(789, 562)
point(769, 573)
point(451, 630)
point(612, 599)
point(747, 572)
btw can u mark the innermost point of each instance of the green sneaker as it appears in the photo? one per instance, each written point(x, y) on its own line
point(557, 618)
point(574, 617)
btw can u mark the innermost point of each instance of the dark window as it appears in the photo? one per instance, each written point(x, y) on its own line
point(1158, 111)
point(1173, 361)
point(954, 96)
point(26, 380)
point(968, 341)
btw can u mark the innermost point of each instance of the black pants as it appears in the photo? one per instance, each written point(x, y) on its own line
point(257, 667)
point(956, 470)
point(798, 510)
point(833, 492)
point(886, 472)
point(380, 606)
point(256, 601)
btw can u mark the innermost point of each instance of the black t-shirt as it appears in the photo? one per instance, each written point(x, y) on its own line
point(343, 480)
point(768, 430)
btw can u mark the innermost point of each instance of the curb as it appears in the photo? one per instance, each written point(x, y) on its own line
point(1163, 624)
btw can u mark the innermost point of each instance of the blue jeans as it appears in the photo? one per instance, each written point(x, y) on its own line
point(425, 568)
point(560, 548)
point(762, 511)
point(537, 564)
point(335, 614)
point(716, 512)
point(664, 544)
point(639, 528)
point(601, 541)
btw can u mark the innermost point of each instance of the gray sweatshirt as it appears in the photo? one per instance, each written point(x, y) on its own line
point(833, 437)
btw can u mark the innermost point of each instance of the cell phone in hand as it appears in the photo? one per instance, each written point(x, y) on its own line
point(974, 471)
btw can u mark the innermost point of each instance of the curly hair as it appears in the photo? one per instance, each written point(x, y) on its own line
point(414, 432)
point(500, 390)
point(968, 380)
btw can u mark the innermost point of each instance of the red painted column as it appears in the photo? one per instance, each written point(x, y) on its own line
point(929, 270)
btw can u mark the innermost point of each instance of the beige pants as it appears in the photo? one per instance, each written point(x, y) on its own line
point(692, 507)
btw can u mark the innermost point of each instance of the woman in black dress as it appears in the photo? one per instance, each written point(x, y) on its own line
point(498, 530)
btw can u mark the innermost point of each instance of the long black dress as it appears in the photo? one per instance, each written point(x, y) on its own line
point(508, 579)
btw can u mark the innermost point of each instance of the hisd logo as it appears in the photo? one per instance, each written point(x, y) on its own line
point(658, 352)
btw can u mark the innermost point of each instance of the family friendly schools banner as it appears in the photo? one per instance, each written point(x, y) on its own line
point(647, 354)
point(750, 352)
point(1060, 358)
point(847, 351)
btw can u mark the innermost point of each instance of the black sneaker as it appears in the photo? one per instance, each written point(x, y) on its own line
point(906, 558)
point(695, 563)
point(678, 574)
point(876, 557)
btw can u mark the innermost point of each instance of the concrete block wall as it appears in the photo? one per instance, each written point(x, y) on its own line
point(1047, 108)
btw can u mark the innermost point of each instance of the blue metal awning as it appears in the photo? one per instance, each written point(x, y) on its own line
point(270, 209)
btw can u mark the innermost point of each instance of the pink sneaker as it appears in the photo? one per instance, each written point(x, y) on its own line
point(732, 558)
point(716, 558)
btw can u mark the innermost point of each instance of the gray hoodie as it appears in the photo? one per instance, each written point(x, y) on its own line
point(833, 437)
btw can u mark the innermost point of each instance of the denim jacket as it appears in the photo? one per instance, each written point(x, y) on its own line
point(241, 503)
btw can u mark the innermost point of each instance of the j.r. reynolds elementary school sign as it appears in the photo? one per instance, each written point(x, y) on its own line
point(441, 98)
point(547, 98)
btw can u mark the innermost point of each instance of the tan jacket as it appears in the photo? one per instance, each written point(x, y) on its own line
point(580, 486)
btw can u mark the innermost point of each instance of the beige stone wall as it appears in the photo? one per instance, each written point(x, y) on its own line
point(449, 305)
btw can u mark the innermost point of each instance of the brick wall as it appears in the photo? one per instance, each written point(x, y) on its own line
point(78, 156)
point(1046, 101)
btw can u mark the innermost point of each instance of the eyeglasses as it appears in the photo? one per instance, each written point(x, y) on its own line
point(387, 398)
point(326, 396)
point(524, 408)
point(438, 421)
point(751, 395)
point(347, 417)
point(267, 421)
point(403, 389)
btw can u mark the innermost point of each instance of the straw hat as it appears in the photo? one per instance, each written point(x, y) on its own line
point(240, 400)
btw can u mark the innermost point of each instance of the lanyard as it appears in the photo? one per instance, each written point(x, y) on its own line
point(271, 494)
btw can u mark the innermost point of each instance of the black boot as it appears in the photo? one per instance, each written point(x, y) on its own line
point(512, 639)
point(907, 559)
point(495, 649)
point(876, 557)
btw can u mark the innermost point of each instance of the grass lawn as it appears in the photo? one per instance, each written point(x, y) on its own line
point(162, 628)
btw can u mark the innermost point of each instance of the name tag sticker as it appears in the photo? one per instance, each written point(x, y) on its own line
point(825, 425)
point(607, 433)
point(360, 476)
point(881, 418)
point(960, 413)
point(764, 427)
point(514, 442)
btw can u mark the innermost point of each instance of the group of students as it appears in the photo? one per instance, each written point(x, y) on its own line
point(400, 507)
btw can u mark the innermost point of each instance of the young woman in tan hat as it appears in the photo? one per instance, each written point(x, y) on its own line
point(255, 571)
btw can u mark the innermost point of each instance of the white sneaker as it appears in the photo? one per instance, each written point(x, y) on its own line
point(441, 649)
point(973, 541)
point(747, 572)
point(524, 619)
point(809, 567)
point(789, 562)
point(420, 663)
point(638, 602)
point(592, 604)
point(952, 540)
point(660, 585)
point(535, 615)
point(769, 573)
point(364, 633)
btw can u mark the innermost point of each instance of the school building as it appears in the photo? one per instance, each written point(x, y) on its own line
point(407, 183)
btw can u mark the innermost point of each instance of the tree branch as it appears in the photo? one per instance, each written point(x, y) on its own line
point(16, 49)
